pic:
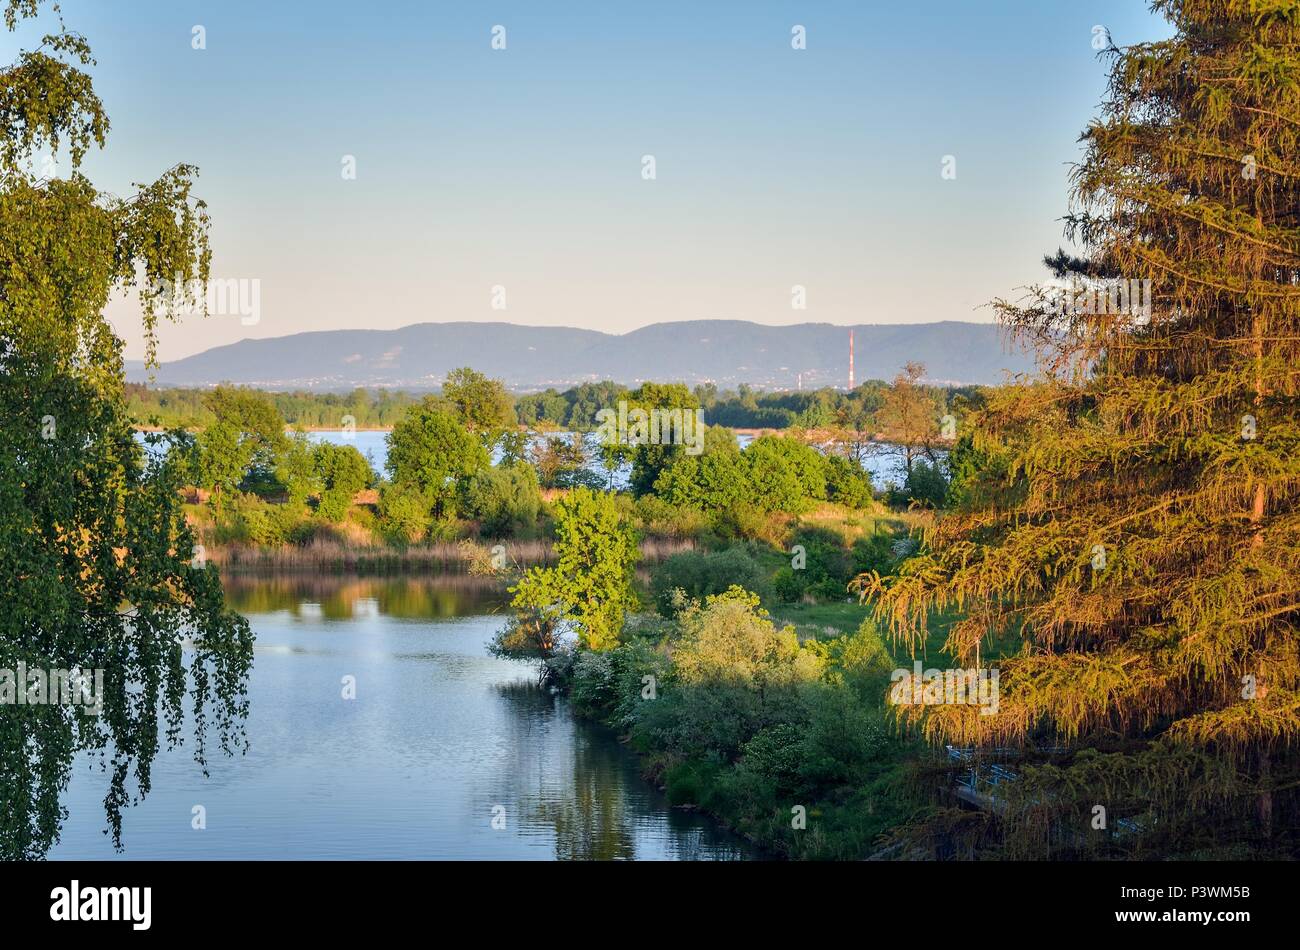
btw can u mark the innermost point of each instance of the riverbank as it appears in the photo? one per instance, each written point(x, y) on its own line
point(788, 743)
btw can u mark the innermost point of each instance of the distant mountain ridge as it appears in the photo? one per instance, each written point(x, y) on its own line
point(726, 352)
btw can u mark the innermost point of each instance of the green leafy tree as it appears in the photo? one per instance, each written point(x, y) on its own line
point(547, 409)
point(341, 472)
point(561, 462)
point(245, 440)
point(714, 480)
point(405, 512)
point(482, 404)
point(909, 418)
point(784, 474)
point(855, 420)
point(295, 468)
point(514, 448)
point(649, 460)
point(589, 399)
point(590, 584)
point(96, 557)
point(431, 451)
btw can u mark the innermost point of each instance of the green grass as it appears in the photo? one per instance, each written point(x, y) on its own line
point(843, 617)
point(937, 634)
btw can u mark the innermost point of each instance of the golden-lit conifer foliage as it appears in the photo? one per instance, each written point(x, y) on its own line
point(1139, 533)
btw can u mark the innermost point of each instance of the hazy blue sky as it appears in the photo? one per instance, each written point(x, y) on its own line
point(522, 167)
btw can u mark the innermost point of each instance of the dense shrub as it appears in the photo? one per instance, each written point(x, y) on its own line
point(730, 639)
point(506, 500)
point(927, 485)
point(874, 552)
point(924, 486)
point(701, 574)
point(656, 517)
point(847, 483)
point(612, 685)
point(405, 512)
point(861, 660)
point(825, 572)
point(789, 585)
point(776, 753)
point(696, 722)
point(745, 521)
point(842, 739)
point(247, 519)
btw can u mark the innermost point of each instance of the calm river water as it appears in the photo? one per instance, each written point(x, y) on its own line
point(444, 753)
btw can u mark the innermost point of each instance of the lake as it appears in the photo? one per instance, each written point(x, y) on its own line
point(445, 752)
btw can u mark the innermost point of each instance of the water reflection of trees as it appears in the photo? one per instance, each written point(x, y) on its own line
point(587, 809)
point(338, 597)
point(577, 785)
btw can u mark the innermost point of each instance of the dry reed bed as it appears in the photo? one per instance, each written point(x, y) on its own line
point(442, 557)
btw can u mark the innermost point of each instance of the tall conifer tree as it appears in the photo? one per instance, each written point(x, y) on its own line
point(1136, 530)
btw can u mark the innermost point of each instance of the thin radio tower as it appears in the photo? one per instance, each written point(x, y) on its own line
point(850, 361)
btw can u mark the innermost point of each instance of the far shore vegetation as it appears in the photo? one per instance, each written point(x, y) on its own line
point(466, 483)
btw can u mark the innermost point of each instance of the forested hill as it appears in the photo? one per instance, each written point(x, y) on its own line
point(726, 352)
